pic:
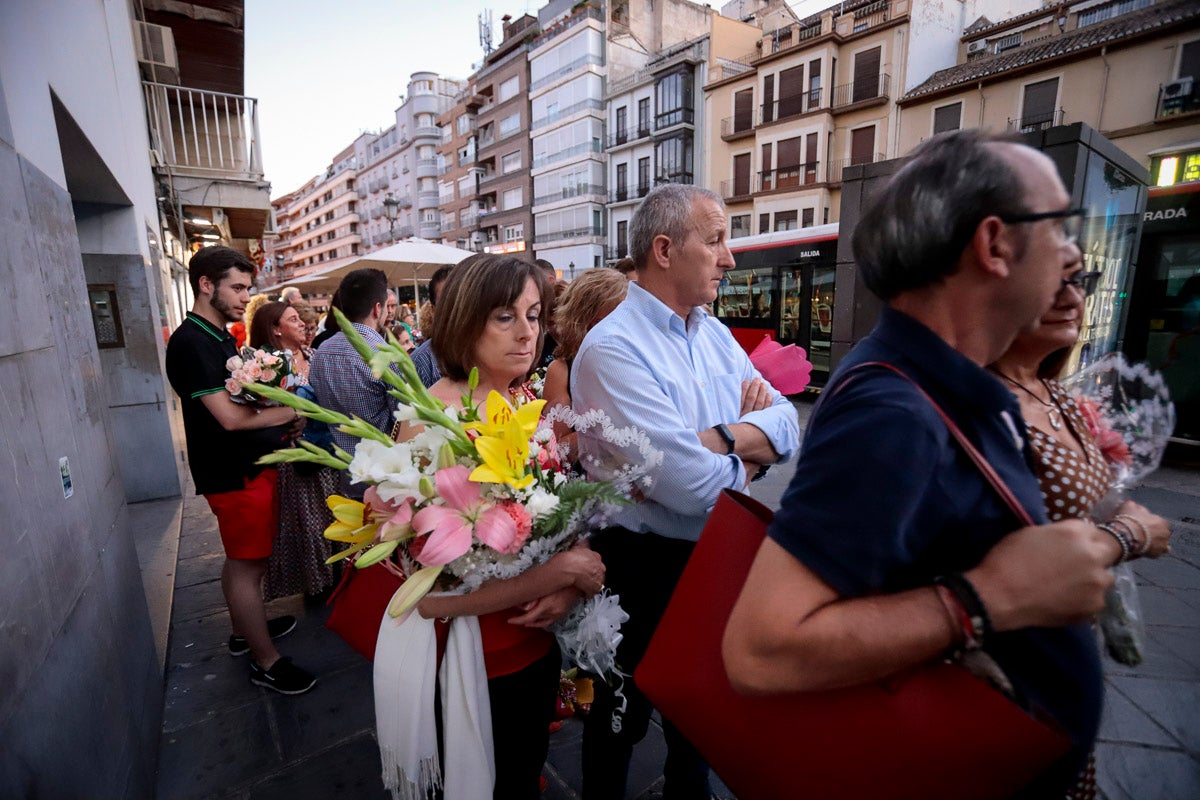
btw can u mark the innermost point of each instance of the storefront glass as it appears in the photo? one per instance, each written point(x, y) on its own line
point(1173, 340)
point(1110, 230)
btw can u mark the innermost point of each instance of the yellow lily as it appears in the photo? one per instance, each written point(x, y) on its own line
point(505, 456)
point(498, 412)
point(350, 525)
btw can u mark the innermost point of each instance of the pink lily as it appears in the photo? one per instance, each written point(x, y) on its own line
point(395, 522)
point(450, 526)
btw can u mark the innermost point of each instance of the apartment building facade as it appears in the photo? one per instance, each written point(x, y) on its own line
point(1130, 69)
point(657, 59)
point(567, 70)
point(399, 168)
point(318, 224)
point(456, 155)
point(503, 222)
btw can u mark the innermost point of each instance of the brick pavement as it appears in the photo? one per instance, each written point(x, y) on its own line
point(223, 737)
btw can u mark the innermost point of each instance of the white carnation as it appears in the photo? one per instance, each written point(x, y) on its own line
point(541, 503)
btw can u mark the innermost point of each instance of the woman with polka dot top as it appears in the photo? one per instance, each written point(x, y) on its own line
point(1071, 468)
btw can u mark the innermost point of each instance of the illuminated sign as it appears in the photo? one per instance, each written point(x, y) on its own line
point(511, 247)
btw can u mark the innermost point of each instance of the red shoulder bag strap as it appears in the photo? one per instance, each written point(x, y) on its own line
point(972, 452)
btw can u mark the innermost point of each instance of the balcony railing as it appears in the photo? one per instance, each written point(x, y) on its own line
point(568, 192)
point(627, 136)
point(587, 12)
point(404, 231)
point(616, 253)
point(678, 116)
point(211, 133)
point(789, 177)
point(870, 16)
point(427, 168)
point(429, 199)
point(627, 193)
point(788, 107)
point(575, 233)
point(430, 230)
point(563, 71)
point(574, 150)
point(427, 130)
point(736, 189)
point(738, 126)
point(835, 167)
point(566, 111)
point(861, 90)
point(674, 177)
point(1036, 122)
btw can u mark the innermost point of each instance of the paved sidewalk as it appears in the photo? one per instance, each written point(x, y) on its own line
point(223, 737)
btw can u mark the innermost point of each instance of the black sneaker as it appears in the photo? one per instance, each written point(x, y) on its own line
point(283, 677)
point(278, 628)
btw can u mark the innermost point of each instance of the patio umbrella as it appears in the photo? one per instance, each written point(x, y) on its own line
point(410, 259)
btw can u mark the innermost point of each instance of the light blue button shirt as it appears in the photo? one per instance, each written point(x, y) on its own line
point(644, 367)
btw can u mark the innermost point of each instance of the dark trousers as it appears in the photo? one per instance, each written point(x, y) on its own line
point(523, 706)
point(643, 569)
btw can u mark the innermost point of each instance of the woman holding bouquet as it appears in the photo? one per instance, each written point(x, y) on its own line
point(297, 563)
point(1073, 468)
point(491, 318)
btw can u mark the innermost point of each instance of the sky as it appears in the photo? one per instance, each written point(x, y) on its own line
point(324, 71)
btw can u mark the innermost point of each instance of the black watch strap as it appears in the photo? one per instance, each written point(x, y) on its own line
point(726, 435)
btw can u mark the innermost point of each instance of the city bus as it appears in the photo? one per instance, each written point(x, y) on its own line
point(782, 288)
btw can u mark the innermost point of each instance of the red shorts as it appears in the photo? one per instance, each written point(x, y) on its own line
point(248, 518)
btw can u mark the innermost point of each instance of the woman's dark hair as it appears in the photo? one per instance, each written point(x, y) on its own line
point(914, 231)
point(477, 286)
point(262, 327)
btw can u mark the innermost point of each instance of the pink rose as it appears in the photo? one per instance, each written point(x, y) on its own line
point(253, 371)
point(232, 386)
point(268, 375)
point(270, 360)
point(233, 363)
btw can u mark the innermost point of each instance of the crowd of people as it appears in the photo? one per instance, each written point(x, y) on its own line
point(889, 549)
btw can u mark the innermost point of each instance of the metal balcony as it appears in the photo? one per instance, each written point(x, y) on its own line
point(862, 90)
point(205, 133)
point(1036, 122)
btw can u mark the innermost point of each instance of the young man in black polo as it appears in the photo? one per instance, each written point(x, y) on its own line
point(224, 439)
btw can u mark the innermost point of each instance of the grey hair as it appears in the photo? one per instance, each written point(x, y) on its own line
point(666, 211)
point(915, 230)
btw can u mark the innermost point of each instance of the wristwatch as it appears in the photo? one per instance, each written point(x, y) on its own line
point(726, 435)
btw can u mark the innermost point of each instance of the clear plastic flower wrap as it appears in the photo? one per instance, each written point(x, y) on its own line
point(1129, 413)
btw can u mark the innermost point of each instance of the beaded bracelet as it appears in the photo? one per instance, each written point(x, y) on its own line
point(976, 614)
point(959, 618)
point(1122, 539)
point(1142, 543)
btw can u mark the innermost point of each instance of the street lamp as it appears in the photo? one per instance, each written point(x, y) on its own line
point(571, 267)
point(391, 209)
point(279, 262)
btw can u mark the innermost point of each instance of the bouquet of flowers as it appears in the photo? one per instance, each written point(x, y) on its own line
point(257, 367)
point(481, 493)
point(1129, 414)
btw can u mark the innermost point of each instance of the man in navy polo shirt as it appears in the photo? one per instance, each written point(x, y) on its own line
point(887, 530)
point(224, 439)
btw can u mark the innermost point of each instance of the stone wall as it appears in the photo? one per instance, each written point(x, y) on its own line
point(81, 702)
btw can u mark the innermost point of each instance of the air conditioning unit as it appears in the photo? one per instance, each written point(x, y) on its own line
point(155, 46)
point(1178, 88)
point(977, 47)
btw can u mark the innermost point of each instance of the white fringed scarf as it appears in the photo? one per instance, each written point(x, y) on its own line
point(405, 691)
